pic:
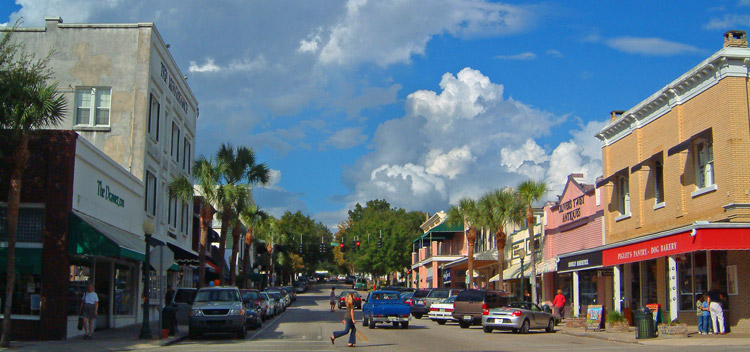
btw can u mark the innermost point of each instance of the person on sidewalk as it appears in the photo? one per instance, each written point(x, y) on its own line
point(558, 304)
point(349, 322)
point(717, 315)
point(704, 315)
point(89, 308)
point(333, 299)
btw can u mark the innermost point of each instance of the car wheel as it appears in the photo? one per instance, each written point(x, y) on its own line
point(463, 325)
point(515, 331)
point(242, 334)
point(404, 324)
point(365, 322)
point(441, 322)
point(418, 316)
point(487, 329)
point(525, 327)
point(371, 322)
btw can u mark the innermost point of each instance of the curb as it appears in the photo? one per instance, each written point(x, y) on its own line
point(600, 337)
point(174, 340)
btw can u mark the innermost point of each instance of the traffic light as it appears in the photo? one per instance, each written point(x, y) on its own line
point(322, 248)
point(354, 246)
point(300, 248)
point(380, 243)
point(342, 247)
point(357, 245)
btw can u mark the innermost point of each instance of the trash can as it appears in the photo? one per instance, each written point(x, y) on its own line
point(644, 324)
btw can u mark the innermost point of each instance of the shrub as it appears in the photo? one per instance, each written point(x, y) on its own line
point(615, 317)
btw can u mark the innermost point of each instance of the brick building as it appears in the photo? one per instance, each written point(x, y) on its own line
point(677, 190)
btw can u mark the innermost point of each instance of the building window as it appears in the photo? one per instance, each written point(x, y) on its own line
point(30, 224)
point(172, 214)
point(175, 150)
point(92, 106)
point(704, 152)
point(153, 118)
point(125, 293)
point(623, 195)
point(184, 218)
point(150, 205)
point(659, 181)
point(537, 245)
point(186, 158)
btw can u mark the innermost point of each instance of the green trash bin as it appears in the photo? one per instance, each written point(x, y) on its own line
point(644, 324)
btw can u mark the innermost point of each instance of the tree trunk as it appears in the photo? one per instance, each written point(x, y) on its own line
point(246, 256)
point(500, 238)
point(223, 243)
point(471, 237)
point(235, 249)
point(206, 216)
point(19, 157)
point(532, 249)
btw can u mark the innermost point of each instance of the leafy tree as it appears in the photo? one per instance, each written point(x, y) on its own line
point(466, 213)
point(27, 102)
point(530, 192)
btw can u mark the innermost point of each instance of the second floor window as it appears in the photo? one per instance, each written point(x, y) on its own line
point(659, 181)
point(92, 106)
point(623, 195)
point(175, 150)
point(150, 206)
point(186, 158)
point(704, 155)
point(153, 118)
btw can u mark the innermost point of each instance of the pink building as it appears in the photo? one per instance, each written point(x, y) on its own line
point(574, 227)
point(440, 244)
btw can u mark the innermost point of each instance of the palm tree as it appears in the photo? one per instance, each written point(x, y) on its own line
point(240, 203)
point(206, 176)
point(530, 192)
point(241, 171)
point(28, 103)
point(466, 214)
point(498, 209)
point(251, 216)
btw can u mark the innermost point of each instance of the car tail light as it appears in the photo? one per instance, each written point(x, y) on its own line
point(404, 315)
point(409, 302)
point(358, 298)
point(379, 315)
point(485, 311)
point(516, 313)
point(434, 309)
point(449, 309)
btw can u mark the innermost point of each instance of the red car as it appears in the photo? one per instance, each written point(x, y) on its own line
point(357, 299)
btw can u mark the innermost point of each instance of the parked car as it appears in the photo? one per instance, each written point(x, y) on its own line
point(406, 297)
point(349, 279)
point(518, 317)
point(280, 303)
point(442, 311)
point(283, 297)
point(360, 285)
point(357, 299)
point(272, 307)
point(385, 307)
point(182, 302)
point(300, 286)
point(439, 294)
point(253, 311)
point(470, 305)
point(290, 291)
point(418, 307)
point(217, 310)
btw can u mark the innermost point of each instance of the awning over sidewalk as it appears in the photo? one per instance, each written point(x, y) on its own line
point(514, 271)
point(441, 232)
point(183, 256)
point(91, 236)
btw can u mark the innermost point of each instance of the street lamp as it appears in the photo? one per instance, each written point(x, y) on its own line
point(148, 229)
point(522, 256)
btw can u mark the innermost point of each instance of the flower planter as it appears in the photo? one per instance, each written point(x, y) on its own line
point(620, 326)
point(672, 331)
point(575, 323)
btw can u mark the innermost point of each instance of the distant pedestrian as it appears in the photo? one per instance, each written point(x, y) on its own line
point(89, 308)
point(349, 322)
point(558, 304)
point(717, 315)
point(333, 299)
point(168, 297)
point(704, 314)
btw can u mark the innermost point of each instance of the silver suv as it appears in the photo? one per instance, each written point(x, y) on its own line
point(217, 309)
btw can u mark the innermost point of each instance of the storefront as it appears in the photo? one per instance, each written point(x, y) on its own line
point(583, 281)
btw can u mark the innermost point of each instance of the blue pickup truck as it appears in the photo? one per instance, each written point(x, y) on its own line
point(385, 307)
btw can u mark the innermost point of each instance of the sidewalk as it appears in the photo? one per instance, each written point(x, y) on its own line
point(120, 339)
point(694, 339)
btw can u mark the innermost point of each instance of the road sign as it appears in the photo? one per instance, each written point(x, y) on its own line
point(334, 244)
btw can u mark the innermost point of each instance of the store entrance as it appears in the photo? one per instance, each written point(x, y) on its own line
point(103, 288)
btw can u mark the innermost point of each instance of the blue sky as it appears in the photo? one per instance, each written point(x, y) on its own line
point(417, 102)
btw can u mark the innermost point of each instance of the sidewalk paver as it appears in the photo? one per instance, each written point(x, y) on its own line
point(694, 339)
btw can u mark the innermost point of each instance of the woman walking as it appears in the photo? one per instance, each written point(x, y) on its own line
point(349, 322)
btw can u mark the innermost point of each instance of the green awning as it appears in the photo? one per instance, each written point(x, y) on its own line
point(441, 232)
point(90, 236)
point(174, 267)
point(28, 260)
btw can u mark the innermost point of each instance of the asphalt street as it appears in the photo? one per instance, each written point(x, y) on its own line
point(308, 323)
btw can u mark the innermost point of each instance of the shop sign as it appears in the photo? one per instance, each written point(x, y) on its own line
point(571, 209)
point(659, 247)
point(181, 101)
point(103, 191)
point(446, 275)
point(580, 262)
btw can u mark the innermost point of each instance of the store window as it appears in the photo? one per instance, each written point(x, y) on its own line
point(587, 287)
point(704, 155)
point(635, 285)
point(92, 106)
point(80, 276)
point(26, 298)
point(125, 292)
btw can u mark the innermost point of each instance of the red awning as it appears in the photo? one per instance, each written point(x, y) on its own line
point(213, 266)
point(683, 242)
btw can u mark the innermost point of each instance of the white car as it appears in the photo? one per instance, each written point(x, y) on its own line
point(442, 312)
point(272, 307)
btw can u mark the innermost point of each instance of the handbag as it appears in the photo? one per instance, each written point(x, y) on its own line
point(80, 317)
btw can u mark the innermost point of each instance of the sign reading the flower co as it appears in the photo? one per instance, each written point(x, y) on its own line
point(104, 192)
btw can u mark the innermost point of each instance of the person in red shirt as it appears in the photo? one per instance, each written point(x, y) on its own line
point(559, 304)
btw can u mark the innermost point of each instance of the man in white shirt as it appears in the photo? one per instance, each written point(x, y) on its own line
point(89, 307)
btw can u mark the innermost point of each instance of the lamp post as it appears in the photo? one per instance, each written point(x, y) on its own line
point(522, 255)
point(148, 229)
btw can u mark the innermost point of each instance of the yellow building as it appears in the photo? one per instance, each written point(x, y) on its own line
point(676, 191)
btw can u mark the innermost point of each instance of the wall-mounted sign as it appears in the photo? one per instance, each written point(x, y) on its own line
point(173, 87)
point(571, 209)
point(580, 262)
point(103, 191)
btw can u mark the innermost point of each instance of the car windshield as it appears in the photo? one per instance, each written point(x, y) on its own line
point(450, 299)
point(345, 293)
point(471, 295)
point(265, 296)
point(407, 295)
point(521, 305)
point(253, 296)
point(385, 296)
point(217, 296)
point(421, 293)
point(438, 294)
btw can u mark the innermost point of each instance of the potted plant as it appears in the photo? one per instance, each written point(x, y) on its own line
point(672, 329)
point(616, 322)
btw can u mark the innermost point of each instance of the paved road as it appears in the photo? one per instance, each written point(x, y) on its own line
point(306, 325)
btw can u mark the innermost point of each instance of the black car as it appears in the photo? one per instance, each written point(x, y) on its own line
point(357, 299)
point(418, 307)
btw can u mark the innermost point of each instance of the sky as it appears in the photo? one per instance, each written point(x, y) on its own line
point(421, 103)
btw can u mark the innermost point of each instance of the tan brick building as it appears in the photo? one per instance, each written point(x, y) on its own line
point(676, 191)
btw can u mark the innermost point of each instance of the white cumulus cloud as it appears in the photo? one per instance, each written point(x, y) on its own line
point(346, 138)
point(208, 66)
point(650, 46)
point(450, 164)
